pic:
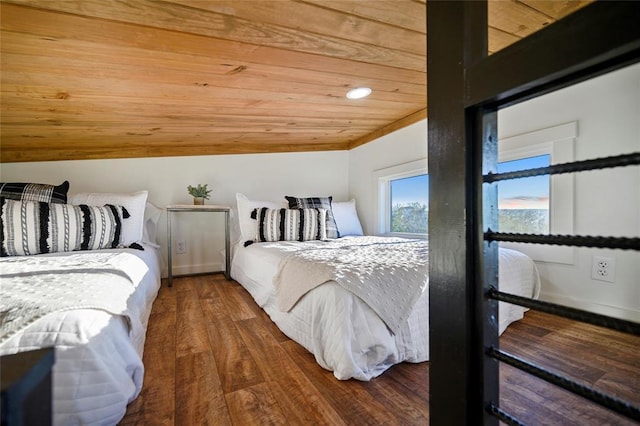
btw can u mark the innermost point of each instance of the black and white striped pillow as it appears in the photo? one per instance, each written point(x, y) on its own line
point(290, 224)
point(35, 191)
point(317, 203)
point(32, 227)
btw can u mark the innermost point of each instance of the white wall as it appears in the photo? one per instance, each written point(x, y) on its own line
point(607, 110)
point(403, 146)
point(607, 202)
point(259, 176)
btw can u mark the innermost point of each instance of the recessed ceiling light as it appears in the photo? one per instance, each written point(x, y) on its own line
point(358, 93)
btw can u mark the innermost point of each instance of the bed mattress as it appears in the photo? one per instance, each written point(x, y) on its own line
point(98, 366)
point(341, 331)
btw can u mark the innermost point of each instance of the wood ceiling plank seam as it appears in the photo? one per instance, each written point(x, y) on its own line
point(49, 56)
point(75, 98)
point(14, 72)
point(537, 10)
point(77, 28)
point(319, 20)
point(170, 112)
point(188, 20)
point(516, 18)
point(556, 9)
point(499, 39)
point(390, 15)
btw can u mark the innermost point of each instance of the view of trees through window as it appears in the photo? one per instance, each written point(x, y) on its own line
point(409, 201)
point(523, 204)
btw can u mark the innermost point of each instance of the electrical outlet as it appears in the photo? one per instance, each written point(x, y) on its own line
point(181, 247)
point(603, 268)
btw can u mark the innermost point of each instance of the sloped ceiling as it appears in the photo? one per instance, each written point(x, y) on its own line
point(138, 78)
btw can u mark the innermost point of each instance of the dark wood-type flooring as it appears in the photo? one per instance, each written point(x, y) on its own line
point(213, 357)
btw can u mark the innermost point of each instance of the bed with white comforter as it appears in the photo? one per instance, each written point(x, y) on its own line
point(79, 273)
point(98, 340)
point(345, 334)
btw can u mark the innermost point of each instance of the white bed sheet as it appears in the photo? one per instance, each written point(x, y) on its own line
point(98, 369)
point(342, 332)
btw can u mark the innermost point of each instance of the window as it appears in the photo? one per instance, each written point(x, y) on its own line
point(409, 201)
point(548, 146)
point(402, 199)
point(523, 204)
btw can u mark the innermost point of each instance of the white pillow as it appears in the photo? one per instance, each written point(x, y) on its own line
point(346, 218)
point(150, 228)
point(248, 226)
point(134, 202)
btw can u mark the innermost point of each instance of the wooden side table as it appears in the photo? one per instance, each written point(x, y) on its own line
point(176, 208)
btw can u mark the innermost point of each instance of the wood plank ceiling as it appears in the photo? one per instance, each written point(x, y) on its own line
point(94, 79)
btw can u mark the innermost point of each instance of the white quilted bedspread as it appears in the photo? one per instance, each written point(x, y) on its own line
point(33, 287)
point(388, 274)
point(96, 322)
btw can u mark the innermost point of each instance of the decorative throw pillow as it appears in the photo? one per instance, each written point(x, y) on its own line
point(245, 208)
point(346, 217)
point(290, 224)
point(316, 203)
point(134, 202)
point(35, 192)
point(33, 227)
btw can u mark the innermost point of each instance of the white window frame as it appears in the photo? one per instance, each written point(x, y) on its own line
point(382, 197)
point(558, 142)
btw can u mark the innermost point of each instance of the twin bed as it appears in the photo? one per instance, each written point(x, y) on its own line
point(82, 280)
point(332, 321)
point(99, 338)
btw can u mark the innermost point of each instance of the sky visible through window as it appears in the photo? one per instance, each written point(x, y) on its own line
point(410, 190)
point(527, 193)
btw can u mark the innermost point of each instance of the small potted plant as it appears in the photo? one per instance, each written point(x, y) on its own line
point(199, 193)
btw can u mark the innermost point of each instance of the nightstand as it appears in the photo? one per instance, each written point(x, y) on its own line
point(178, 208)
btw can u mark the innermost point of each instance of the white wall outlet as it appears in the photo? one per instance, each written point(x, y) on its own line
point(181, 247)
point(603, 268)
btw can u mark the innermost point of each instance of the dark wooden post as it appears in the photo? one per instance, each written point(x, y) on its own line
point(460, 379)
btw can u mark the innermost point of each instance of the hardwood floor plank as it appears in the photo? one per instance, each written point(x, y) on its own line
point(191, 329)
point(236, 367)
point(350, 398)
point(260, 314)
point(237, 307)
point(255, 405)
point(621, 385)
point(607, 343)
point(535, 401)
point(565, 362)
point(297, 396)
point(414, 376)
point(406, 404)
point(199, 396)
point(207, 288)
point(165, 301)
